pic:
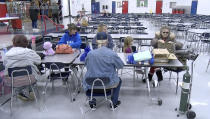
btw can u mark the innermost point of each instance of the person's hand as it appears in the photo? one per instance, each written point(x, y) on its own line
point(170, 42)
point(161, 41)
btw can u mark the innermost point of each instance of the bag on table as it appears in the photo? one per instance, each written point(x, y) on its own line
point(64, 49)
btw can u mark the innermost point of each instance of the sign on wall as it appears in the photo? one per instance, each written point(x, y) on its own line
point(142, 3)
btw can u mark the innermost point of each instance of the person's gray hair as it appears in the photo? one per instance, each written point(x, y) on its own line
point(101, 42)
point(165, 27)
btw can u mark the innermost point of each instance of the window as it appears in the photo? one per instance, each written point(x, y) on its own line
point(142, 3)
point(172, 4)
point(119, 4)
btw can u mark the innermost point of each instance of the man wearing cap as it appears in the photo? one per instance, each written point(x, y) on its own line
point(71, 37)
point(103, 62)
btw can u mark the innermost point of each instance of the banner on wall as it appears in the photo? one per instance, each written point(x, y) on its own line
point(3, 8)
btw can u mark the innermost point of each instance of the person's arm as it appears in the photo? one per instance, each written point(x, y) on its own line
point(94, 44)
point(86, 59)
point(62, 40)
point(154, 42)
point(118, 62)
point(77, 42)
point(178, 45)
point(35, 58)
point(110, 42)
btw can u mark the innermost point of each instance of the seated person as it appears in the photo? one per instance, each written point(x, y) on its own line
point(19, 56)
point(163, 36)
point(128, 42)
point(103, 28)
point(71, 37)
point(103, 62)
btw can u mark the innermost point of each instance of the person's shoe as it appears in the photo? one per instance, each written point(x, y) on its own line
point(155, 83)
point(159, 75)
point(150, 78)
point(22, 97)
point(31, 96)
point(115, 105)
point(65, 81)
point(92, 104)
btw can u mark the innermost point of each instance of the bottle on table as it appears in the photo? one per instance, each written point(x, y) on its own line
point(33, 43)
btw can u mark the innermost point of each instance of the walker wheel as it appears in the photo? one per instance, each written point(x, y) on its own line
point(191, 115)
point(160, 102)
point(189, 106)
point(74, 99)
point(177, 115)
point(175, 109)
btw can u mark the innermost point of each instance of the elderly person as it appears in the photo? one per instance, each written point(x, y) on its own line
point(163, 36)
point(71, 37)
point(103, 62)
point(20, 56)
point(103, 28)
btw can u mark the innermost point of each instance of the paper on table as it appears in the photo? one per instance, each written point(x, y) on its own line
point(142, 56)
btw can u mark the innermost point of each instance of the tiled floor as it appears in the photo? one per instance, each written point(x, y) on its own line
point(135, 101)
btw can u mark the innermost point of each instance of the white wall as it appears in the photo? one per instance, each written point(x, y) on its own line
point(76, 5)
point(106, 2)
point(203, 7)
point(65, 8)
point(132, 7)
point(166, 6)
point(183, 2)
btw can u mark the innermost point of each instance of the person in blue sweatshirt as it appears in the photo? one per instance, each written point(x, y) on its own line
point(71, 37)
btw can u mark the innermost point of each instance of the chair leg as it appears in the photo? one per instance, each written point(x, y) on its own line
point(170, 76)
point(34, 94)
point(207, 65)
point(45, 89)
point(11, 101)
point(177, 82)
point(134, 77)
point(69, 92)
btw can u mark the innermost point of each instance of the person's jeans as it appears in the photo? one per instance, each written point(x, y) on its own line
point(55, 17)
point(116, 92)
point(34, 24)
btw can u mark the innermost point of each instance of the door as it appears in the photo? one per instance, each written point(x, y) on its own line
point(194, 7)
point(95, 8)
point(113, 7)
point(124, 7)
point(3, 8)
point(159, 7)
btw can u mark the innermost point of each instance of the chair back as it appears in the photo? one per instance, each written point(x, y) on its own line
point(84, 40)
point(20, 76)
point(47, 38)
point(54, 65)
point(206, 35)
point(90, 81)
point(19, 71)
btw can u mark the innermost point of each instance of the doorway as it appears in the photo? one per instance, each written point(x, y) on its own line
point(159, 5)
point(124, 7)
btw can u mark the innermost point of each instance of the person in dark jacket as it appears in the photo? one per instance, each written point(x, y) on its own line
point(34, 11)
point(71, 37)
